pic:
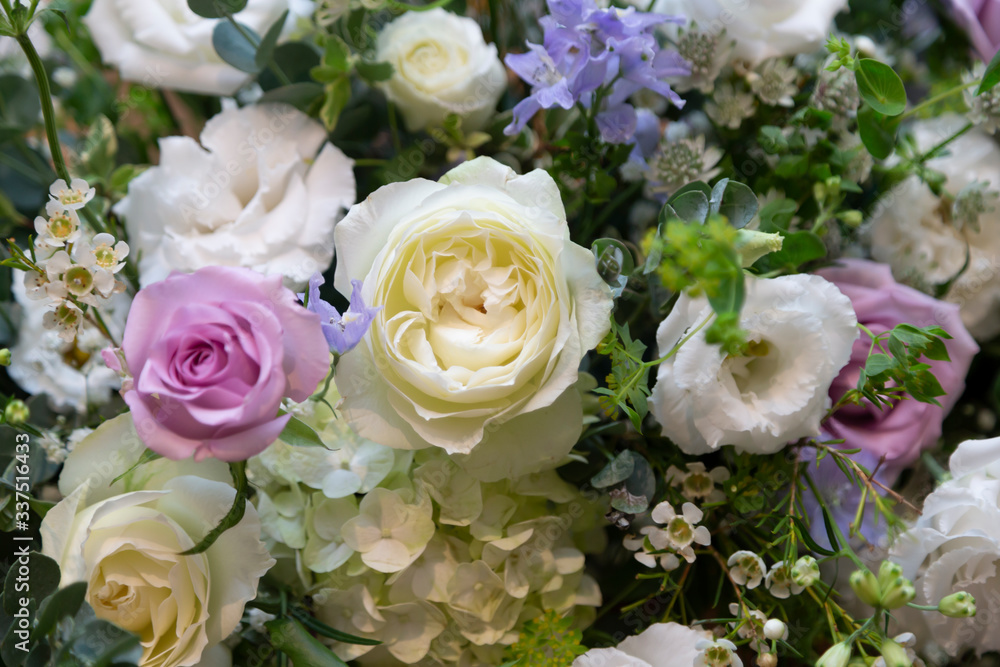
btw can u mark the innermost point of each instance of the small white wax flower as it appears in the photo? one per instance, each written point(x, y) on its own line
point(681, 529)
point(746, 568)
point(780, 582)
point(61, 227)
point(73, 196)
point(66, 320)
point(750, 627)
point(104, 254)
point(698, 483)
point(718, 653)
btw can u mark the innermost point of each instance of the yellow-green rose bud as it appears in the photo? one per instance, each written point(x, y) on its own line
point(958, 605)
point(895, 655)
point(866, 587)
point(16, 412)
point(835, 656)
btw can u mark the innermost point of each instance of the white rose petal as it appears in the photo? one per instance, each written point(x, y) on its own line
point(764, 28)
point(488, 308)
point(647, 649)
point(442, 66)
point(127, 547)
point(262, 191)
point(163, 44)
point(801, 330)
point(909, 233)
point(955, 546)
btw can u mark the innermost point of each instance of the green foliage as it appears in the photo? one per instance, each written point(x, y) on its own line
point(237, 45)
point(288, 636)
point(628, 382)
point(216, 9)
point(636, 478)
point(547, 641)
point(991, 76)
point(880, 87)
point(895, 369)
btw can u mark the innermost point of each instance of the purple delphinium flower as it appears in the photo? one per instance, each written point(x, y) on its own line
point(342, 332)
point(586, 48)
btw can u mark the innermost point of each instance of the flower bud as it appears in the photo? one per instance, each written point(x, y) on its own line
point(16, 412)
point(895, 655)
point(888, 572)
point(898, 593)
point(958, 605)
point(775, 629)
point(5, 357)
point(866, 587)
point(767, 660)
point(805, 572)
point(835, 656)
point(852, 218)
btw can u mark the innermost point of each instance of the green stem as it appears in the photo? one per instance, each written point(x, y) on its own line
point(273, 66)
point(394, 129)
point(48, 111)
point(936, 149)
point(6, 8)
point(937, 98)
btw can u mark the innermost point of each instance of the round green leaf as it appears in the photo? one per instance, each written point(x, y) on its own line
point(881, 87)
point(235, 48)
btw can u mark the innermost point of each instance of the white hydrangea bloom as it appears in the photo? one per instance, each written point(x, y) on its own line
point(389, 532)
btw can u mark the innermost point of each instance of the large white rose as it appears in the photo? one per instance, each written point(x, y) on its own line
point(914, 231)
point(163, 44)
point(955, 545)
point(659, 645)
point(487, 310)
point(761, 28)
point(442, 66)
point(259, 192)
point(801, 330)
point(125, 541)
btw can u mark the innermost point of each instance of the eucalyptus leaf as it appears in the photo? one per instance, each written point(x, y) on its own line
point(41, 580)
point(64, 602)
point(270, 40)
point(237, 47)
point(615, 472)
point(373, 72)
point(878, 133)
point(216, 9)
point(691, 206)
point(881, 87)
point(299, 95)
point(737, 202)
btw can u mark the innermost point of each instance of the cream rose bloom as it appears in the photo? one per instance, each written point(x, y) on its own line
point(442, 66)
point(659, 645)
point(955, 546)
point(163, 44)
point(262, 191)
point(914, 231)
point(125, 541)
point(761, 29)
point(801, 330)
point(487, 310)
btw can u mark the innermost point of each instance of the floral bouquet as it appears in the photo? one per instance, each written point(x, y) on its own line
point(495, 333)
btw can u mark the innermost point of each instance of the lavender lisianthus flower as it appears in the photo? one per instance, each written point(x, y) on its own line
point(342, 332)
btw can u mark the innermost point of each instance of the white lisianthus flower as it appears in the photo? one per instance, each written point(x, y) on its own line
point(487, 310)
point(920, 236)
point(955, 545)
point(800, 329)
point(163, 44)
point(262, 191)
point(125, 541)
point(659, 645)
point(70, 373)
point(442, 65)
point(761, 29)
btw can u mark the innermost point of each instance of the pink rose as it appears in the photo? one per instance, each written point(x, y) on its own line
point(899, 433)
point(212, 354)
point(981, 21)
